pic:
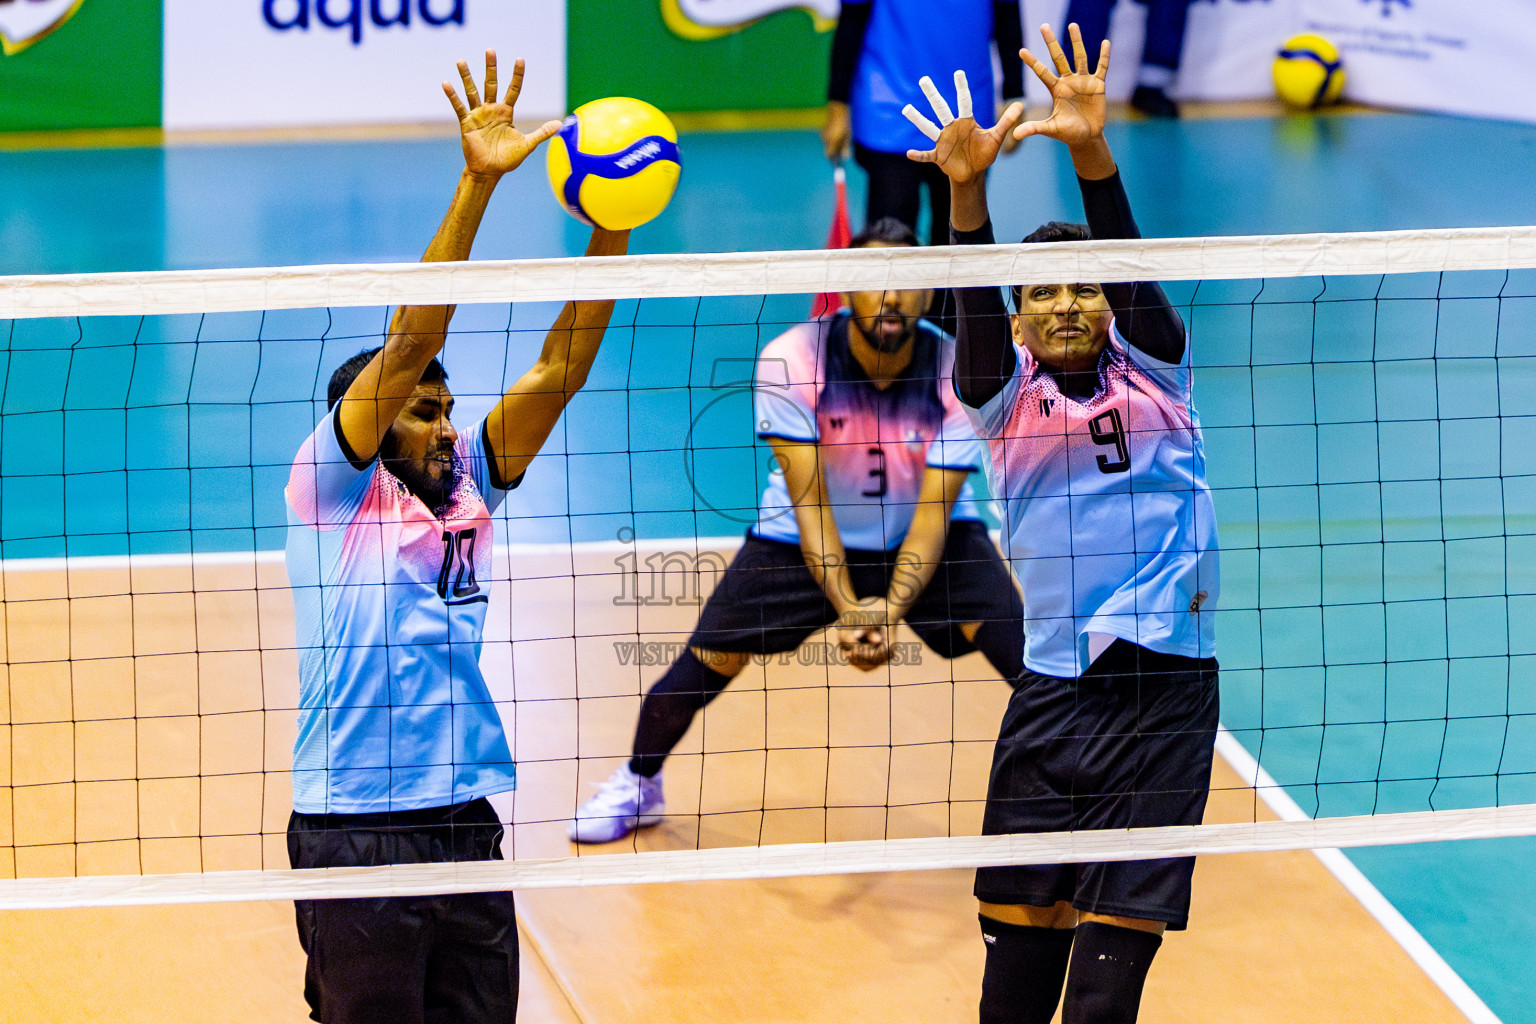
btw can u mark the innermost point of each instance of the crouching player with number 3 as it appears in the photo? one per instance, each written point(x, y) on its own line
point(868, 521)
point(1083, 396)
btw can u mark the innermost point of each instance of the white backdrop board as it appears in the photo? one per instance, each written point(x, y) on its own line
point(1411, 54)
point(1228, 46)
point(1456, 56)
point(267, 63)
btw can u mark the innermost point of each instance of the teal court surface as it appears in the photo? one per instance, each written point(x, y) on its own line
point(1372, 442)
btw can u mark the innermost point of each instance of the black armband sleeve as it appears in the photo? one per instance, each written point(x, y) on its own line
point(847, 46)
point(493, 464)
point(1143, 314)
point(1008, 31)
point(984, 356)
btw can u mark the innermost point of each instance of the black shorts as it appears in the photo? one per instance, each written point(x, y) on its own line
point(1116, 750)
point(412, 958)
point(767, 601)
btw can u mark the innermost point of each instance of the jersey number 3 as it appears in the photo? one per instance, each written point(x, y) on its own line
point(1107, 429)
point(877, 473)
point(456, 581)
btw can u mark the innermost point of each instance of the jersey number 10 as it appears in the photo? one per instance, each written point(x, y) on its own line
point(456, 581)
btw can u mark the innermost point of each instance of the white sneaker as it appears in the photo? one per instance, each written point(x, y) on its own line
point(624, 803)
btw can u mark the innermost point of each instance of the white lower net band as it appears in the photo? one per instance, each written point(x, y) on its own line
point(790, 860)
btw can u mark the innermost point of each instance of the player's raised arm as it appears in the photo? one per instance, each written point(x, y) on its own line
point(984, 356)
point(520, 423)
point(493, 146)
point(1143, 314)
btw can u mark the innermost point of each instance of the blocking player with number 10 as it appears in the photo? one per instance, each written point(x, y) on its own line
point(389, 556)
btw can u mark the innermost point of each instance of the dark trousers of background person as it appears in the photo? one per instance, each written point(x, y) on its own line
point(1165, 29)
point(895, 190)
point(406, 959)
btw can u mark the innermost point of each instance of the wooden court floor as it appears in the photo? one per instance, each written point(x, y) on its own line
point(149, 723)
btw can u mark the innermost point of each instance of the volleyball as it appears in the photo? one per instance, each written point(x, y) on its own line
point(614, 163)
point(1308, 73)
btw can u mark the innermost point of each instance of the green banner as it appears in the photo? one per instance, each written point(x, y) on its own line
point(70, 64)
point(625, 48)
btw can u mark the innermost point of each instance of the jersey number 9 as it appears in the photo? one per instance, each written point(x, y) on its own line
point(1107, 429)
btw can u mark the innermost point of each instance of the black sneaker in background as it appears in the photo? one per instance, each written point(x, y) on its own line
point(1153, 102)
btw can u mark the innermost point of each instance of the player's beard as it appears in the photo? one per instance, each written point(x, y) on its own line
point(434, 488)
point(889, 344)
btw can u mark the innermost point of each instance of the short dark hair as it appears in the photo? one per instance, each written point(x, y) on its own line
point(886, 231)
point(1059, 231)
point(347, 372)
point(1051, 231)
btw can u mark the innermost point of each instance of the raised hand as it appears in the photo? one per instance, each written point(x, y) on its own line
point(492, 144)
point(1077, 111)
point(962, 148)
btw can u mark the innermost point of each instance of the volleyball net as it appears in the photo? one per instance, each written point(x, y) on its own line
point(1368, 404)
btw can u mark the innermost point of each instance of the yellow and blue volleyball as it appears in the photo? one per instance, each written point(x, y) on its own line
point(614, 163)
point(1308, 73)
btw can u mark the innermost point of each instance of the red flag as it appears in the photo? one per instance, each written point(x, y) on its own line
point(838, 237)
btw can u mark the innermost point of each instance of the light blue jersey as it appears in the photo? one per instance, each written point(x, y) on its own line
point(1109, 523)
point(390, 605)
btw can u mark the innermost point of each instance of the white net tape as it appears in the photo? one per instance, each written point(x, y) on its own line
point(766, 273)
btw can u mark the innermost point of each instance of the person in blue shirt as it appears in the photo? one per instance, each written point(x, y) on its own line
point(879, 51)
point(389, 558)
point(1160, 53)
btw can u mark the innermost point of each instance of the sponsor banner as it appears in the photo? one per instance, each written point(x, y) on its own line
point(51, 49)
point(22, 24)
point(702, 55)
point(270, 63)
point(1426, 54)
point(710, 19)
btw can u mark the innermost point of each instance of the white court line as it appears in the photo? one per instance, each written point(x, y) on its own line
point(1360, 887)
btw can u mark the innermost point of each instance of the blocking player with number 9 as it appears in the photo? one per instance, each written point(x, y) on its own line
point(1084, 396)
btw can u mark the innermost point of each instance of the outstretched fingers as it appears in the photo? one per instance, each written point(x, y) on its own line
point(936, 100)
point(458, 105)
point(1103, 69)
point(1043, 72)
point(963, 95)
point(544, 131)
point(471, 91)
point(1079, 52)
point(922, 123)
point(1009, 119)
point(1053, 47)
point(516, 88)
point(490, 75)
